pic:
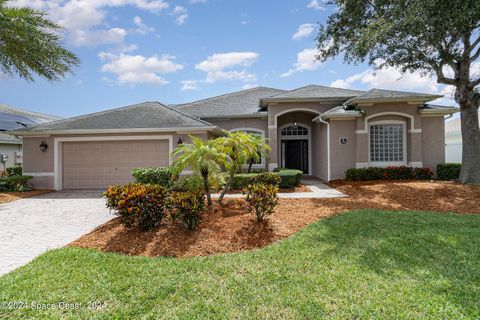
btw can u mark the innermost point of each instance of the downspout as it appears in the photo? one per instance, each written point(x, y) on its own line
point(319, 118)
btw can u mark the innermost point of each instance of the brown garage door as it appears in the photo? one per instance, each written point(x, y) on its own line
point(96, 165)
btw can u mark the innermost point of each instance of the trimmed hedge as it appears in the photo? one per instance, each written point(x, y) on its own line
point(290, 177)
point(15, 183)
point(388, 173)
point(14, 171)
point(267, 178)
point(449, 171)
point(161, 176)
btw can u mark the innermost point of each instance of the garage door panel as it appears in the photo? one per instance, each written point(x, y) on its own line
point(96, 165)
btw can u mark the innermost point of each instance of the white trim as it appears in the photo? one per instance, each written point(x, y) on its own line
point(260, 165)
point(307, 137)
point(393, 163)
point(415, 131)
point(359, 165)
point(386, 113)
point(58, 142)
point(291, 110)
point(39, 174)
point(416, 164)
point(272, 166)
point(361, 132)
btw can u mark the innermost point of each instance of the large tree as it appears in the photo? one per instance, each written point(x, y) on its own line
point(436, 37)
point(30, 44)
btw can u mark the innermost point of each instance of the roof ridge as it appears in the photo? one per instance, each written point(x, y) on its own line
point(187, 115)
point(227, 94)
point(34, 113)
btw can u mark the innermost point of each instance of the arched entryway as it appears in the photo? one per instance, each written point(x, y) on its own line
point(295, 146)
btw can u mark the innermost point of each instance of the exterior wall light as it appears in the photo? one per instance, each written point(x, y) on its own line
point(180, 142)
point(43, 146)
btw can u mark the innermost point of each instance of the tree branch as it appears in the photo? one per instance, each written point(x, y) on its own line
point(474, 83)
point(475, 55)
point(441, 77)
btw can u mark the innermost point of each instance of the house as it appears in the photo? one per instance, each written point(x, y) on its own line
point(453, 140)
point(320, 130)
point(13, 118)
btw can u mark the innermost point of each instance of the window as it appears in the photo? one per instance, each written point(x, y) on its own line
point(294, 130)
point(387, 143)
point(260, 161)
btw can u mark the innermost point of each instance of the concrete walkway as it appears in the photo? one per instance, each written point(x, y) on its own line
point(32, 226)
point(318, 190)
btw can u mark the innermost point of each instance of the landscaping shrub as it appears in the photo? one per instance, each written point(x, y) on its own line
point(161, 176)
point(138, 205)
point(388, 173)
point(187, 206)
point(289, 177)
point(266, 178)
point(14, 171)
point(449, 171)
point(261, 199)
point(422, 174)
point(15, 183)
point(398, 173)
point(241, 180)
point(188, 183)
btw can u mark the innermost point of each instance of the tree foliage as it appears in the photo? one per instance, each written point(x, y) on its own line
point(30, 44)
point(435, 37)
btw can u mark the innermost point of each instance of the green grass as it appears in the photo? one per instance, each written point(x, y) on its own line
point(362, 264)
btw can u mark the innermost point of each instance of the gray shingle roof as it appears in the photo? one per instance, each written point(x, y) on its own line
point(139, 116)
point(12, 118)
point(382, 95)
point(243, 102)
point(315, 92)
point(5, 138)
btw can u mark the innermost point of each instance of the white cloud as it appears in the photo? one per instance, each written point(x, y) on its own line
point(141, 27)
point(80, 38)
point(83, 19)
point(189, 85)
point(219, 66)
point(315, 4)
point(389, 78)
point(306, 61)
point(248, 86)
point(137, 69)
point(304, 31)
point(180, 14)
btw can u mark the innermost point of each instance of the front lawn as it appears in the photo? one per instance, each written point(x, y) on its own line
point(360, 264)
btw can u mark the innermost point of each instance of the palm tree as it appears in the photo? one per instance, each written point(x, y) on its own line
point(262, 150)
point(239, 147)
point(202, 156)
point(30, 44)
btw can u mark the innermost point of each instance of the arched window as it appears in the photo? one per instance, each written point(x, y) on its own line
point(294, 130)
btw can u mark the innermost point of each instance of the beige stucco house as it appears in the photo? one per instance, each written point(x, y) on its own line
point(320, 130)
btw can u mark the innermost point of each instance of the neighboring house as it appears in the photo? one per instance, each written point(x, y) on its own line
point(320, 130)
point(453, 140)
point(13, 118)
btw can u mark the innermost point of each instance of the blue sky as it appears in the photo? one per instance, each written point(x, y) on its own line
point(178, 51)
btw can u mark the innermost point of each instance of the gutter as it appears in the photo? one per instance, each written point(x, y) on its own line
point(106, 131)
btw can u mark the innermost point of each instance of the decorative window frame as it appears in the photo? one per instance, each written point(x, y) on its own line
point(302, 137)
point(260, 165)
point(388, 163)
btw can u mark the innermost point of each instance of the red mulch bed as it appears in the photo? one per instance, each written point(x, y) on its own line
point(230, 227)
point(12, 196)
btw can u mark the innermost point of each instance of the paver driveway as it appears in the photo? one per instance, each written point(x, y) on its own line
point(29, 227)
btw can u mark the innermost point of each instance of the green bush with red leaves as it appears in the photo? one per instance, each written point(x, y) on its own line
point(187, 207)
point(261, 199)
point(138, 205)
point(388, 173)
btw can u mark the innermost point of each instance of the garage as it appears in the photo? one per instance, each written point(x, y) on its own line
point(98, 164)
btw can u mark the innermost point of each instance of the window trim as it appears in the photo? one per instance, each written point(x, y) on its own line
point(260, 165)
point(388, 163)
